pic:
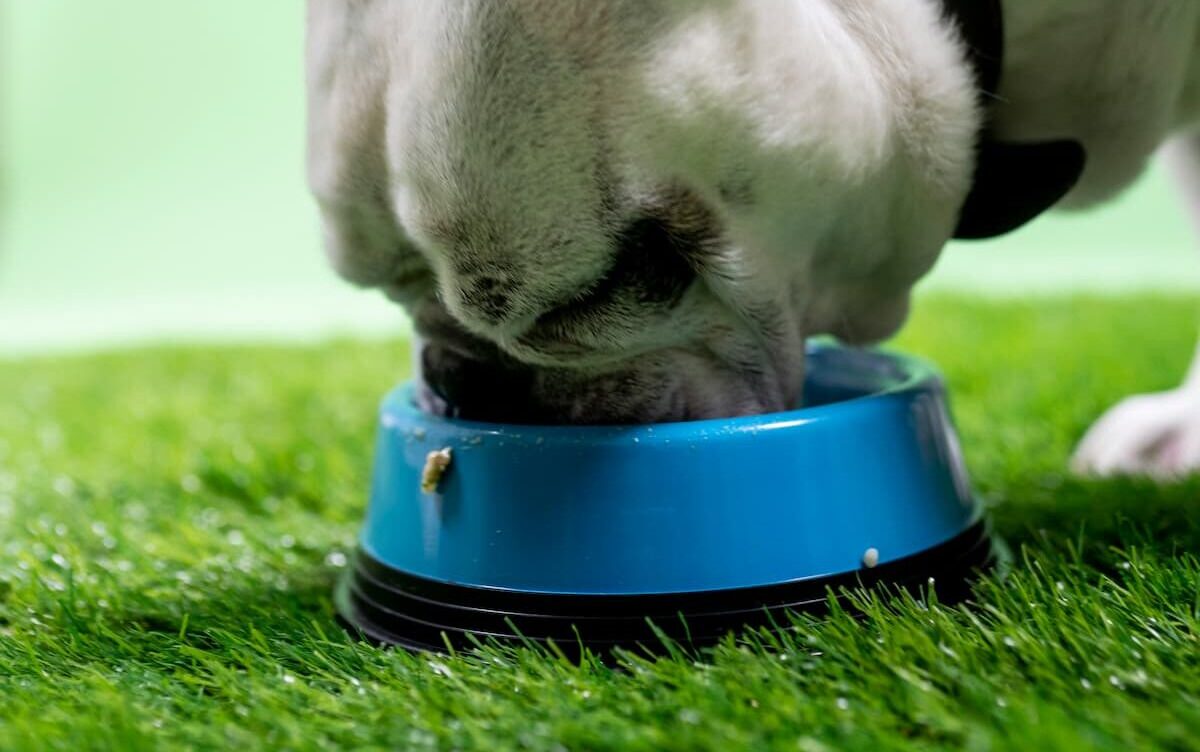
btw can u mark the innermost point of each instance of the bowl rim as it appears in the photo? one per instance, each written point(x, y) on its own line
point(917, 374)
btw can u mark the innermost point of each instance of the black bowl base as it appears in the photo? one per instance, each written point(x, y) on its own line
point(391, 607)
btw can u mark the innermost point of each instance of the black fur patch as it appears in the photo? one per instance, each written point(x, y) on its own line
point(491, 387)
point(655, 262)
point(652, 262)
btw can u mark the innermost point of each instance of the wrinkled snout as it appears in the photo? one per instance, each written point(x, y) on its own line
point(660, 388)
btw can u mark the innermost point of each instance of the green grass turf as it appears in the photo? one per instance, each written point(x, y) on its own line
point(174, 520)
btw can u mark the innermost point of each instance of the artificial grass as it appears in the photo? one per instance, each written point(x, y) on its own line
point(174, 520)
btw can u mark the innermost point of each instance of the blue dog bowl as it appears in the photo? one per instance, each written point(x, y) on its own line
point(605, 536)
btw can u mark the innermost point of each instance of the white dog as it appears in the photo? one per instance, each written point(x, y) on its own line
point(637, 210)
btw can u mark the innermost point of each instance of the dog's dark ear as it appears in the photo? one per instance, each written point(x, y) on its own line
point(1014, 183)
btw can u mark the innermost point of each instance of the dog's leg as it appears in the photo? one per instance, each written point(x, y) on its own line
point(1154, 434)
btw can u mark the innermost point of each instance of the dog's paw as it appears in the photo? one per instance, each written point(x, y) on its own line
point(1156, 435)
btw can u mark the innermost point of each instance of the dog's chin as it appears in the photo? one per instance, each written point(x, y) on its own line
point(664, 387)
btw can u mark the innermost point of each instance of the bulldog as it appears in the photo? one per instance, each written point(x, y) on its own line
point(612, 211)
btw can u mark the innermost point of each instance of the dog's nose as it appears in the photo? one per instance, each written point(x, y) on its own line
point(492, 304)
point(488, 298)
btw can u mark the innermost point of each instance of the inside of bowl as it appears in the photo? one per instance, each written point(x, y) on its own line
point(837, 374)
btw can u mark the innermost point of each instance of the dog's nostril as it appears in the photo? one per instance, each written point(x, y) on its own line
point(486, 284)
point(489, 298)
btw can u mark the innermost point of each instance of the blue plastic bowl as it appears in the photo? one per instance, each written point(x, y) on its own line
point(585, 535)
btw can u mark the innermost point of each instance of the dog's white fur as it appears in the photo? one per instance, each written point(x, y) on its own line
point(482, 160)
point(1122, 77)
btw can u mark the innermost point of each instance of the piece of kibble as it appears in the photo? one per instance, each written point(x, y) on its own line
point(436, 464)
point(871, 558)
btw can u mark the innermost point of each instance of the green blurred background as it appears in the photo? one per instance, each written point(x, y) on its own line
point(152, 188)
